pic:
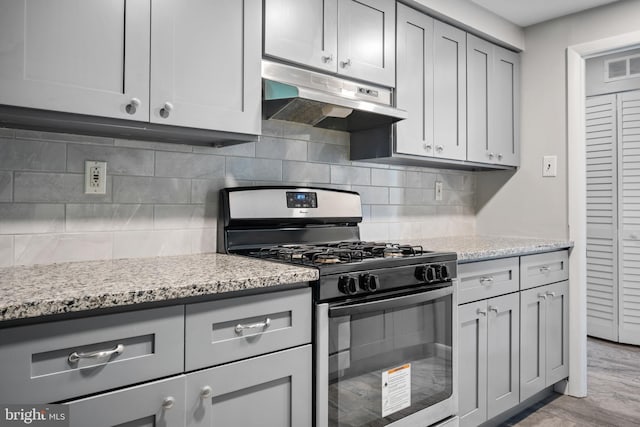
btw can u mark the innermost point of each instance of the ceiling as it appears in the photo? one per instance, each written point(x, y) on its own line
point(529, 12)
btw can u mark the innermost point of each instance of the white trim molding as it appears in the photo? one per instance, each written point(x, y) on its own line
point(576, 96)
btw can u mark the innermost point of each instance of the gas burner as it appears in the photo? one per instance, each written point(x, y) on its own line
point(326, 258)
point(392, 252)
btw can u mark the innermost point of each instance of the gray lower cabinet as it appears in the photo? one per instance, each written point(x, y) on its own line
point(273, 390)
point(156, 404)
point(544, 346)
point(489, 358)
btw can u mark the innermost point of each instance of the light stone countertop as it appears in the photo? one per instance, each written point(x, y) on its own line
point(477, 248)
point(40, 290)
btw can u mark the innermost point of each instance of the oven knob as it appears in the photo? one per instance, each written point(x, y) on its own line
point(347, 285)
point(369, 282)
point(426, 273)
point(444, 272)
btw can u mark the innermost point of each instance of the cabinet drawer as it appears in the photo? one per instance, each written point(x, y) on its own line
point(217, 332)
point(52, 361)
point(486, 279)
point(159, 403)
point(542, 269)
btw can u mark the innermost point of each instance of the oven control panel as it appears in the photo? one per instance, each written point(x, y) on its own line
point(302, 199)
point(360, 283)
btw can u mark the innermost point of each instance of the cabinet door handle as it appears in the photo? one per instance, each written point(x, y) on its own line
point(545, 269)
point(75, 356)
point(164, 111)
point(345, 64)
point(543, 296)
point(493, 308)
point(491, 155)
point(427, 147)
point(439, 148)
point(551, 294)
point(261, 325)
point(499, 156)
point(486, 280)
point(482, 312)
point(328, 58)
point(168, 402)
point(132, 106)
point(206, 392)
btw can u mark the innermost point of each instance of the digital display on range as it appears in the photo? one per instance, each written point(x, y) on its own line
point(300, 199)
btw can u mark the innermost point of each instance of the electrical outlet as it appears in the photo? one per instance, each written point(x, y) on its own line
point(550, 166)
point(438, 191)
point(95, 177)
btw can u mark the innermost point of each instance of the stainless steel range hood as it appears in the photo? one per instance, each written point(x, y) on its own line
point(317, 99)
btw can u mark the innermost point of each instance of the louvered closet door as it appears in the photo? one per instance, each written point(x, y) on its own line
point(629, 216)
point(602, 296)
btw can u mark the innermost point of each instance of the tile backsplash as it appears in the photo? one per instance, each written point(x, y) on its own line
point(162, 199)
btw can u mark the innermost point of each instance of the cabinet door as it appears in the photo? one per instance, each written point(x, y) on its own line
point(414, 89)
point(450, 92)
point(557, 332)
point(266, 391)
point(472, 351)
point(205, 64)
point(160, 403)
point(76, 56)
point(503, 353)
point(533, 347)
point(302, 31)
point(478, 73)
point(504, 109)
point(366, 40)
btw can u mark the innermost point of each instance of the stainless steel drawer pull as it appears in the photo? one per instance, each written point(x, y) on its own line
point(486, 280)
point(75, 356)
point(482, 312)
point(261, 325)
point(543, 296)
point(544, 269)
point(493, 308)
point(168, 402)
point(551, 294)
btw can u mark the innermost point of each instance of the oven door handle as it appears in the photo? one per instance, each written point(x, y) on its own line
point(349, 309)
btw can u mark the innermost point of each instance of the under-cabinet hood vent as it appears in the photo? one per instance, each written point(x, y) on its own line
point(316, 99)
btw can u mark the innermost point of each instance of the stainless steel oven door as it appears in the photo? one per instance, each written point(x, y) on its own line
point(390, 361)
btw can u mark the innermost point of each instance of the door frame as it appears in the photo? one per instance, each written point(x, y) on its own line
point(577, 190)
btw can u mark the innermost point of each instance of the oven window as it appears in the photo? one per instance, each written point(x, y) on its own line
point(385, 365)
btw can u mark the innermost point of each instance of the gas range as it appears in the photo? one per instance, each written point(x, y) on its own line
point(318, 227)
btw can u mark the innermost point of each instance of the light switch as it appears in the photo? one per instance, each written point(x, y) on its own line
point(550, 166)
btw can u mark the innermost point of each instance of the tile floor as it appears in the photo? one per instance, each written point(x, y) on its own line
point(614, 393)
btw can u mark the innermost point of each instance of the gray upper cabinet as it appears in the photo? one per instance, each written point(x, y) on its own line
point(414, 89)
point(77, 56)
point(191, 64)
point(352, 38)
point(449, 92)
point(493, 98)
point(431, 65)
point(205, 64)
point(544, 337)
point(302, 31)
point(366, 40)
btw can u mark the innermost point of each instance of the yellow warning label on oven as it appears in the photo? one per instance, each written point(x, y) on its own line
point(396, 389)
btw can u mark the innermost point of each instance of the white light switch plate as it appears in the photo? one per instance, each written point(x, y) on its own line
point(438, 191)
point(550, 166)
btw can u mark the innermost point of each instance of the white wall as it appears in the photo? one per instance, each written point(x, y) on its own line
point(471, 17)
point(528, 204)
